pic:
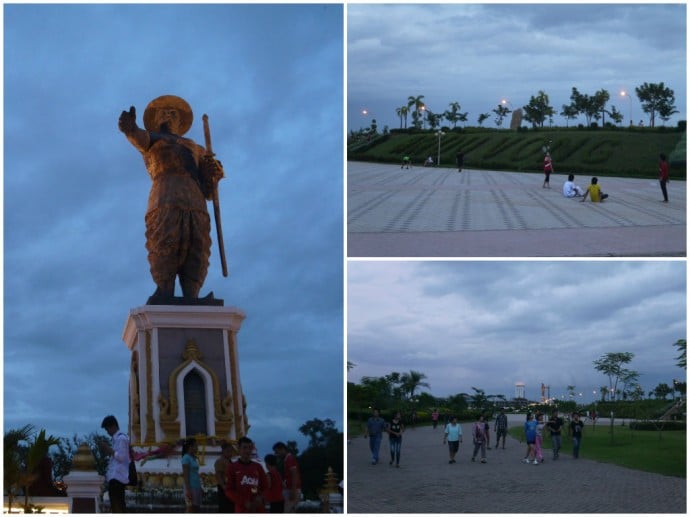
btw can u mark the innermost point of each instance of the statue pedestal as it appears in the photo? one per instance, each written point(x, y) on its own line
point(184, 374)
point(83, 489)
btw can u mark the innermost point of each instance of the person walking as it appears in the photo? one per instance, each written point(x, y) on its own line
point(453, 436)
point(531, 438)
point(190, 475)
point(395, 432)
point(663, 175)
point(460, 160)
point(576, 428)
point(548, 169)
point(434, 418)
point(479, 438)
point(501, 428)
point(374, 431)
point(117, 473)
point(487, 431)
point(554, 426)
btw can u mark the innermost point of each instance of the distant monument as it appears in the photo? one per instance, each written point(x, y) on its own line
point(519, 390)
point(184, 176)
point(516, 119)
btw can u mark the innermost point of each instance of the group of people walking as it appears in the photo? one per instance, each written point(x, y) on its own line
point(243, 484)
point(534, 429)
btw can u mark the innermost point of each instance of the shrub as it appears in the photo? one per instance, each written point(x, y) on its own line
point(652, 426)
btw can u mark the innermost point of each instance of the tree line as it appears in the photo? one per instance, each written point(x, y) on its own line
point(656, 99)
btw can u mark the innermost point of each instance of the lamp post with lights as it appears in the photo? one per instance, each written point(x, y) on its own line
point(627, 94)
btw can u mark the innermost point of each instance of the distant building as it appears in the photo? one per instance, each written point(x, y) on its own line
point(519, 390)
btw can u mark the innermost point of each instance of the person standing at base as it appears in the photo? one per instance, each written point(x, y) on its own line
point(576, 428)
point(479, 438)
point(501, 428)
point(374, 431)
point(453, 436)
point(246, 480)
point(221, 467)
point(190, 475)
point(548, 169)
point(663, 175)
point(117, 473)
point(406, 162)
point(594, 191)
point(395, 432)
point(274, 494)
point(292, 481)
point(554, 426)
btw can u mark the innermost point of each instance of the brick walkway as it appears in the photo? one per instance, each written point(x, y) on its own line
point(425, 482)
point(429, 212)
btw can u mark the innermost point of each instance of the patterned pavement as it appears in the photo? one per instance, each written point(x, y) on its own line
point(441, 212)
point(426, 483)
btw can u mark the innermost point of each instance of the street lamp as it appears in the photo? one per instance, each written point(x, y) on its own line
point(626, 94)
point(439, 134)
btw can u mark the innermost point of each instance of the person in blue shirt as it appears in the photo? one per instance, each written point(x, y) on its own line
point(190, 474)
point(531, 439)
point(453, 435)
point(374, 431)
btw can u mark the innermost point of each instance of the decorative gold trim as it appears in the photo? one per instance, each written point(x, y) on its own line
point(169, 412)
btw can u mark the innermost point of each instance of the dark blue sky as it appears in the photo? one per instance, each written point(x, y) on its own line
point(270, 78)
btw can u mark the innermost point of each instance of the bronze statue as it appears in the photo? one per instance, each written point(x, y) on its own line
point(184, 176)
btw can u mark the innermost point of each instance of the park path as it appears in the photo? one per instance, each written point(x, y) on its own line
point(426, 483)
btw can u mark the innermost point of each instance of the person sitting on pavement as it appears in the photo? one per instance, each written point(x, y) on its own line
point(429, 162)
point(594, 192)
point(570, 189)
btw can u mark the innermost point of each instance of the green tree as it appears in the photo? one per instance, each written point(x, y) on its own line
point(482, 118)
point(326, 450)
point(402, 113)
point(501, 112)
point(14, 469)
point(454, 115)
point(656, 98)
point(418, 104)
point(479, 399)
point(662, 390)
point(538, 110)
point(584, 104)
point(611, 365)
point(681, 345)
point(569, 112)
point(412, 380)
point(616, 115)
point(600, 99)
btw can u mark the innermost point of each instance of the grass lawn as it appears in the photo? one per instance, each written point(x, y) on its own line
point(640, 450)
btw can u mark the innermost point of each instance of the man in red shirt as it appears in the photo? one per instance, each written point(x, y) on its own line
point(246, 481)
point(291, 477)
point(663, 175)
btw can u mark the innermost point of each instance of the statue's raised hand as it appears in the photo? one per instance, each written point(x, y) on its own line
point(128, 121)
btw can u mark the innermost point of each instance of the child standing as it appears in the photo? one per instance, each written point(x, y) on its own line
point(530, 438)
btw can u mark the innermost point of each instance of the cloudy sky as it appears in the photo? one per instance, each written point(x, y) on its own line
point(478, 55)
point(492, 324)
point(270, 78)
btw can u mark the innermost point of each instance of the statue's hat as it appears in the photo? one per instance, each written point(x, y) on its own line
point(169, 101)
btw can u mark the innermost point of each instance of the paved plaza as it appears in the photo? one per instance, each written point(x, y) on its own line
point(426, 483)
point(439, 212)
